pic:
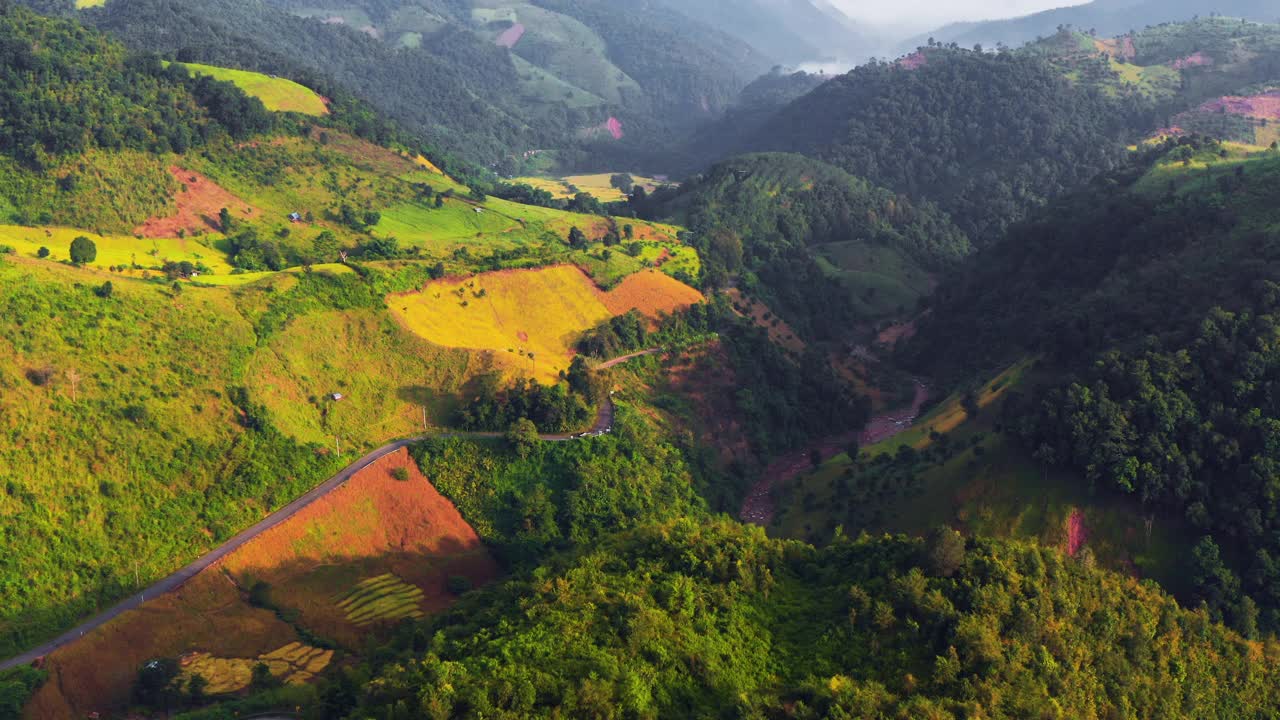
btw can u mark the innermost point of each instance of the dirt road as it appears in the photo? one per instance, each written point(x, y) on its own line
point(760, 506)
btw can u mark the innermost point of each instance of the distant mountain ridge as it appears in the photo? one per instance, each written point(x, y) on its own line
point(790, 31)
point(1107, 17)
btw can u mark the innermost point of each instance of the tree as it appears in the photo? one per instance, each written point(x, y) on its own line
point(577, 238)
point(435, 272)
point(628, 231)
point(196, 687)
point(154, 687)
point(523, 436)
point(105, 290)
point(944, 551)
point(224, 220)
point(623, 182)
point(83, 250)
point(42, 253)
point(260, 678)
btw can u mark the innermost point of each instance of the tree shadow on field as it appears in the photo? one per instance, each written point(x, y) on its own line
point(440, 406)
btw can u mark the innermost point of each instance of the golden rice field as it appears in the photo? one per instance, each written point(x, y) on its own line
point(382, 598)
point(292, 664)
point(513, 313)
point(543, 312)
point(598, 185)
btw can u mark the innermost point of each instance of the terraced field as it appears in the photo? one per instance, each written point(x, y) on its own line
point(292, 664)
point(384, 598)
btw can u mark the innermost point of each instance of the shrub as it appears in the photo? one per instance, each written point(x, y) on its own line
point(40, 376)
point(459, 584)
point(42, 253)
point(400, 474)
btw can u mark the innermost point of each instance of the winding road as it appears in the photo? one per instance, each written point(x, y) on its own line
point(603, 424)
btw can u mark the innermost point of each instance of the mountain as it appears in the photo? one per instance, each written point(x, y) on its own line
point(1150, 296)
point(814, 236)
point(489, 83)
point(926, 128)
point(1106, 18)
point(789, 31)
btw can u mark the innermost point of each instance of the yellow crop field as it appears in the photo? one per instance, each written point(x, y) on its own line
point(598, 185)
point(292, 664)
point(278, 94)
point(514, 314)
point(114, 249)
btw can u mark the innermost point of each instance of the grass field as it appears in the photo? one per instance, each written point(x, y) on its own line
point(116, 250)
point(278, 94)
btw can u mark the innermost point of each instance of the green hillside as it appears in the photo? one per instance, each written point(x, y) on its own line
point(164, 381)
point(712, 619)
point(810, 235)
point(1151, 296)
point(927, 132)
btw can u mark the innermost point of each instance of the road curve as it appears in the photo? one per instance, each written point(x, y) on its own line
point(604, 423)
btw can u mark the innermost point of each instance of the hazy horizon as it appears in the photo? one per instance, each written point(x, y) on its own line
point(927, 14)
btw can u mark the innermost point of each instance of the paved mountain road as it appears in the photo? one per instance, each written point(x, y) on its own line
point(604, 423)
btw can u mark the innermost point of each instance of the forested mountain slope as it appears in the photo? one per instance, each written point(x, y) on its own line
point(806, 235)
point(928, 130)
point(1152, 297)
point(1106, 18)
point(789, 31)
point(486, 82)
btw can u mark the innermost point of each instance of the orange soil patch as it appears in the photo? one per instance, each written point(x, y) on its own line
point(652, 293)
point(366, 155)
point(198, 204)
point(97, 673)
point(779, 331)
point(372, 525)
point(705, 376)
point(897, 332)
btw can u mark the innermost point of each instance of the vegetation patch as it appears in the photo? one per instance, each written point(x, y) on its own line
point(529, 320)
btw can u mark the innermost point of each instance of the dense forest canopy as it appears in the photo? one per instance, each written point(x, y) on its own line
point(1152, 295)
point(65, 89)
point(771, 217)
point(929, 132)
point(712, 619)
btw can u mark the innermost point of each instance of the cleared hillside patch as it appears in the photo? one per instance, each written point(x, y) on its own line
point(651, 293)
point(372, 526)
point(513, 314)
point(197, 205)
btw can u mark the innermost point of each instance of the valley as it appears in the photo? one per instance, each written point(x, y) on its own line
point(556, 359)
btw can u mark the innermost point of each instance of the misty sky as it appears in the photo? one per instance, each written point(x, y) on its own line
point(932, 13)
